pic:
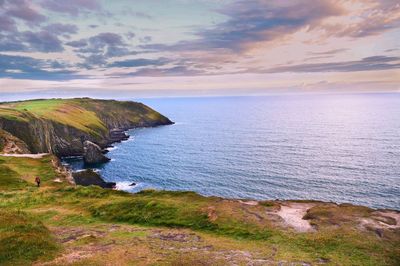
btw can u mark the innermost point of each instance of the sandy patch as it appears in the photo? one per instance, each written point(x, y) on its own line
point(249, 202)
point(293, 214)
point(382, 220)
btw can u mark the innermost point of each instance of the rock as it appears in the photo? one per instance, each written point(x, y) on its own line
point(118, 135)
point(92, 153)
point(133, 184)
point(89, 177)
point(10, 144)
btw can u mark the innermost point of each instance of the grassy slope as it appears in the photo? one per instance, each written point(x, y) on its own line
point(89, 225)
point(81, 113)
point(67, 112)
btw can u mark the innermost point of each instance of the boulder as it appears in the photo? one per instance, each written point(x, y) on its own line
point(89, 177)
point(92, 153)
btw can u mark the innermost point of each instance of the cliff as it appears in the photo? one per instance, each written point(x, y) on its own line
point(11, 144)
point(60, 126)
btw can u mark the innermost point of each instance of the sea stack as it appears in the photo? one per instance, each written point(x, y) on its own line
point(92, 153)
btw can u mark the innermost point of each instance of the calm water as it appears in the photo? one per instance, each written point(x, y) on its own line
point(341, 148)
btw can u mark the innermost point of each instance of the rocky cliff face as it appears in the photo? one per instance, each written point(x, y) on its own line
point(10, 144)
point(92, 153)
point(63, 129)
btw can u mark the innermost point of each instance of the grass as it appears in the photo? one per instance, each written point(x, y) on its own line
point(86, 115)
point(106, 218)
point(24, 239)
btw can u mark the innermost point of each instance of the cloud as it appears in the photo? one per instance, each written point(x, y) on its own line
point(130, 35)
point(18, 10)
point(106, 38)
point(128, 11)
point(62, 29)
point(6, 23)
point(374, 63)
point(373, 18)
point(77, 44)
point(139, 62)
point(72, 7)
point(146, 39)
point(29, 41)
point(42, 41)
point(22, 67)
point(97, 49)
point(162, 72)
point(22, 10)
point(251, 21)
point(330, 52)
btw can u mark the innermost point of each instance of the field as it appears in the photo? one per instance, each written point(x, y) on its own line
point(67, 112)
point(60, 224)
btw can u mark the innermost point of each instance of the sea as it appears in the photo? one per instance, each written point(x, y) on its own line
point(342, 148)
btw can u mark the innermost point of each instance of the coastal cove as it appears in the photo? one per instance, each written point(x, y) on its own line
point(50, 216)
point(337, 148)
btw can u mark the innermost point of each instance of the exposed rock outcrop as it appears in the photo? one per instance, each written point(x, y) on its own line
point(89, 177)
point(117, 135)
point(92, 153)
point(10, 144)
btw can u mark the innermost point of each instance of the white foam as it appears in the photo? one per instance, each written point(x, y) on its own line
point(131, 138)
point(125, 185)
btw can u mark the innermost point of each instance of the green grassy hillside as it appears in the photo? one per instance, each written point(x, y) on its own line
point(84, 113)
point(58, 125)
point(93, 226)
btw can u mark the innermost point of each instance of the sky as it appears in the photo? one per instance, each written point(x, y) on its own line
point(151, 48)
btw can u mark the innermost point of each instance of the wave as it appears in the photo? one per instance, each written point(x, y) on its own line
point(125, 185)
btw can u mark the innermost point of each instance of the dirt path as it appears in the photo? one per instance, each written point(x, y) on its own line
point(293, 214)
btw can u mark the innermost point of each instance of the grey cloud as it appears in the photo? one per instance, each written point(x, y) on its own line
point(106, 38)
point(365, 64)
point(72, 7)
point(252, 21)
point(78, 44)
point(42, 41)
point(7, 24)
point(61, 29)
point(25, 12)
point(130, 35)
point(23, 67)
point(129, 12)
point(97, 49)
point(160, 72)
point(11, 42)
point(330, 52)
point(140, 62)
point(146, 39)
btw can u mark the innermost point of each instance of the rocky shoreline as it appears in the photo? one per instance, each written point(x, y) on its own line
point(94, 155)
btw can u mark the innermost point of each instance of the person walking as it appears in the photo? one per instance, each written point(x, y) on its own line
point(37, 180)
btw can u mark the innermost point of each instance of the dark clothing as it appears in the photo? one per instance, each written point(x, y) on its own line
point(37, 180)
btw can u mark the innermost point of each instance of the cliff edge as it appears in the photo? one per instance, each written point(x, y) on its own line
point(61, 126)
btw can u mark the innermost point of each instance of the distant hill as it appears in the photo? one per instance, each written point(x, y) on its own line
point(60, 126)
